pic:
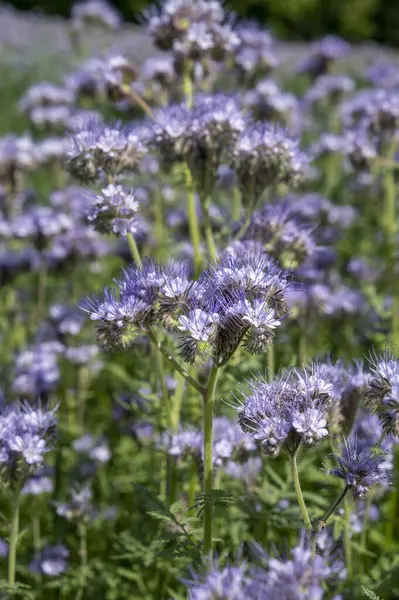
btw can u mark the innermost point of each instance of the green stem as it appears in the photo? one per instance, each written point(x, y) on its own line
point(213, 253)
point(177, 402)
point(236, 204)
point(303, 347)
point(192, 484)
point(347, 541)
point(298, 489)
point(270, 362)
point(83, 556)
point(159, 218)
point(390, 227)
point(334, 506)
point(174, 363)
point(244, 227)
point(188, 88)
point(42, 288)
point(12, 552)
point(36, 532)
point(130, 93)
point(193, 224)
point(209, 397)
point(134, 250)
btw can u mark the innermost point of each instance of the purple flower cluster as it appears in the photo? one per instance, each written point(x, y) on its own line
point(360, 467)
point(264, 156)
point(25, 436)
point(302, 576)
point(383, 391)
point(97, 149)
point(240, 299)
point(288, 411)
point(114, 211)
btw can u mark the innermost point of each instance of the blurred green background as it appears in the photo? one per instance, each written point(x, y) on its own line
point(356, 20)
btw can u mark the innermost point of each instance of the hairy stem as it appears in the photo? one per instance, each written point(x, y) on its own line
point(347, 541)
point(298, 489)
point(334, 506)
point(209, 397)
point(193, 224)
point(159, 345)
point(132, 95)
point(390, 227)
point(213, 253)
point(134, 250)
point(12, 552)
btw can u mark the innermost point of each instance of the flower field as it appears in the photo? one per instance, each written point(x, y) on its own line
point(199, 310)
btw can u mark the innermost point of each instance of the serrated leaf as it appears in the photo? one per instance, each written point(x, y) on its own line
point(370, 594)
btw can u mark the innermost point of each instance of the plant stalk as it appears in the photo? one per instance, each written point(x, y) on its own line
point(12, 552)
point(298, 489)
point(134, 249)
point(209, 397)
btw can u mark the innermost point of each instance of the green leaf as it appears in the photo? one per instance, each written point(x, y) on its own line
point(370, 594)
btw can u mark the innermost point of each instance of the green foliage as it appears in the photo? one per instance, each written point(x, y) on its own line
point(370, 594)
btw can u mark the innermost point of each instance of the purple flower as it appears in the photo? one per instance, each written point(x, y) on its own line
point(265, 155)
point(290, 410)
point(97, 148)
point(302, 576)
point(323, 53)
point(215, 124)
point(228, 583)
point(360, 467)
point(25, 434)
point(382, 394)
point(329, 88)
point(50, 561)
point(97, 12)
point(79, 506)
point(114, 211)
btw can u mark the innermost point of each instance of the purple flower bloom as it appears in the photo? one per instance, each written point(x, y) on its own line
point(265, 155)
point(50, 561)
point(288, 410)
point(229, 583)
point(323, 53)
point(360, 467)
point(79, 507)
point(37, 371)
point(25, 434)
point(97, 148)
point(114, 211)
point(97, 12)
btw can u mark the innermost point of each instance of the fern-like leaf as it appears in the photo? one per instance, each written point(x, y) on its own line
point(370, 594)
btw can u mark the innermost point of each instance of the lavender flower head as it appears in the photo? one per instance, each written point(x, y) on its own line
point(238, 299)
point(168, 133)
point(215, 124)
point(50, 561)
point(360, 467)
point(79, 506)
point(254, 57)
point(290, 410)
point(383, 391)
point(329, 88)
point(98, 148)
point(25, 436)
point(297, 578)
point(265, 155)
point(229, 583)
point(323, 53)
point(174, 19)
point(95, 12)
point(114, 211)
point(37, 371)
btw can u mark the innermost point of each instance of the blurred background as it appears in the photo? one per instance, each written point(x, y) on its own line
point(356, 20)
